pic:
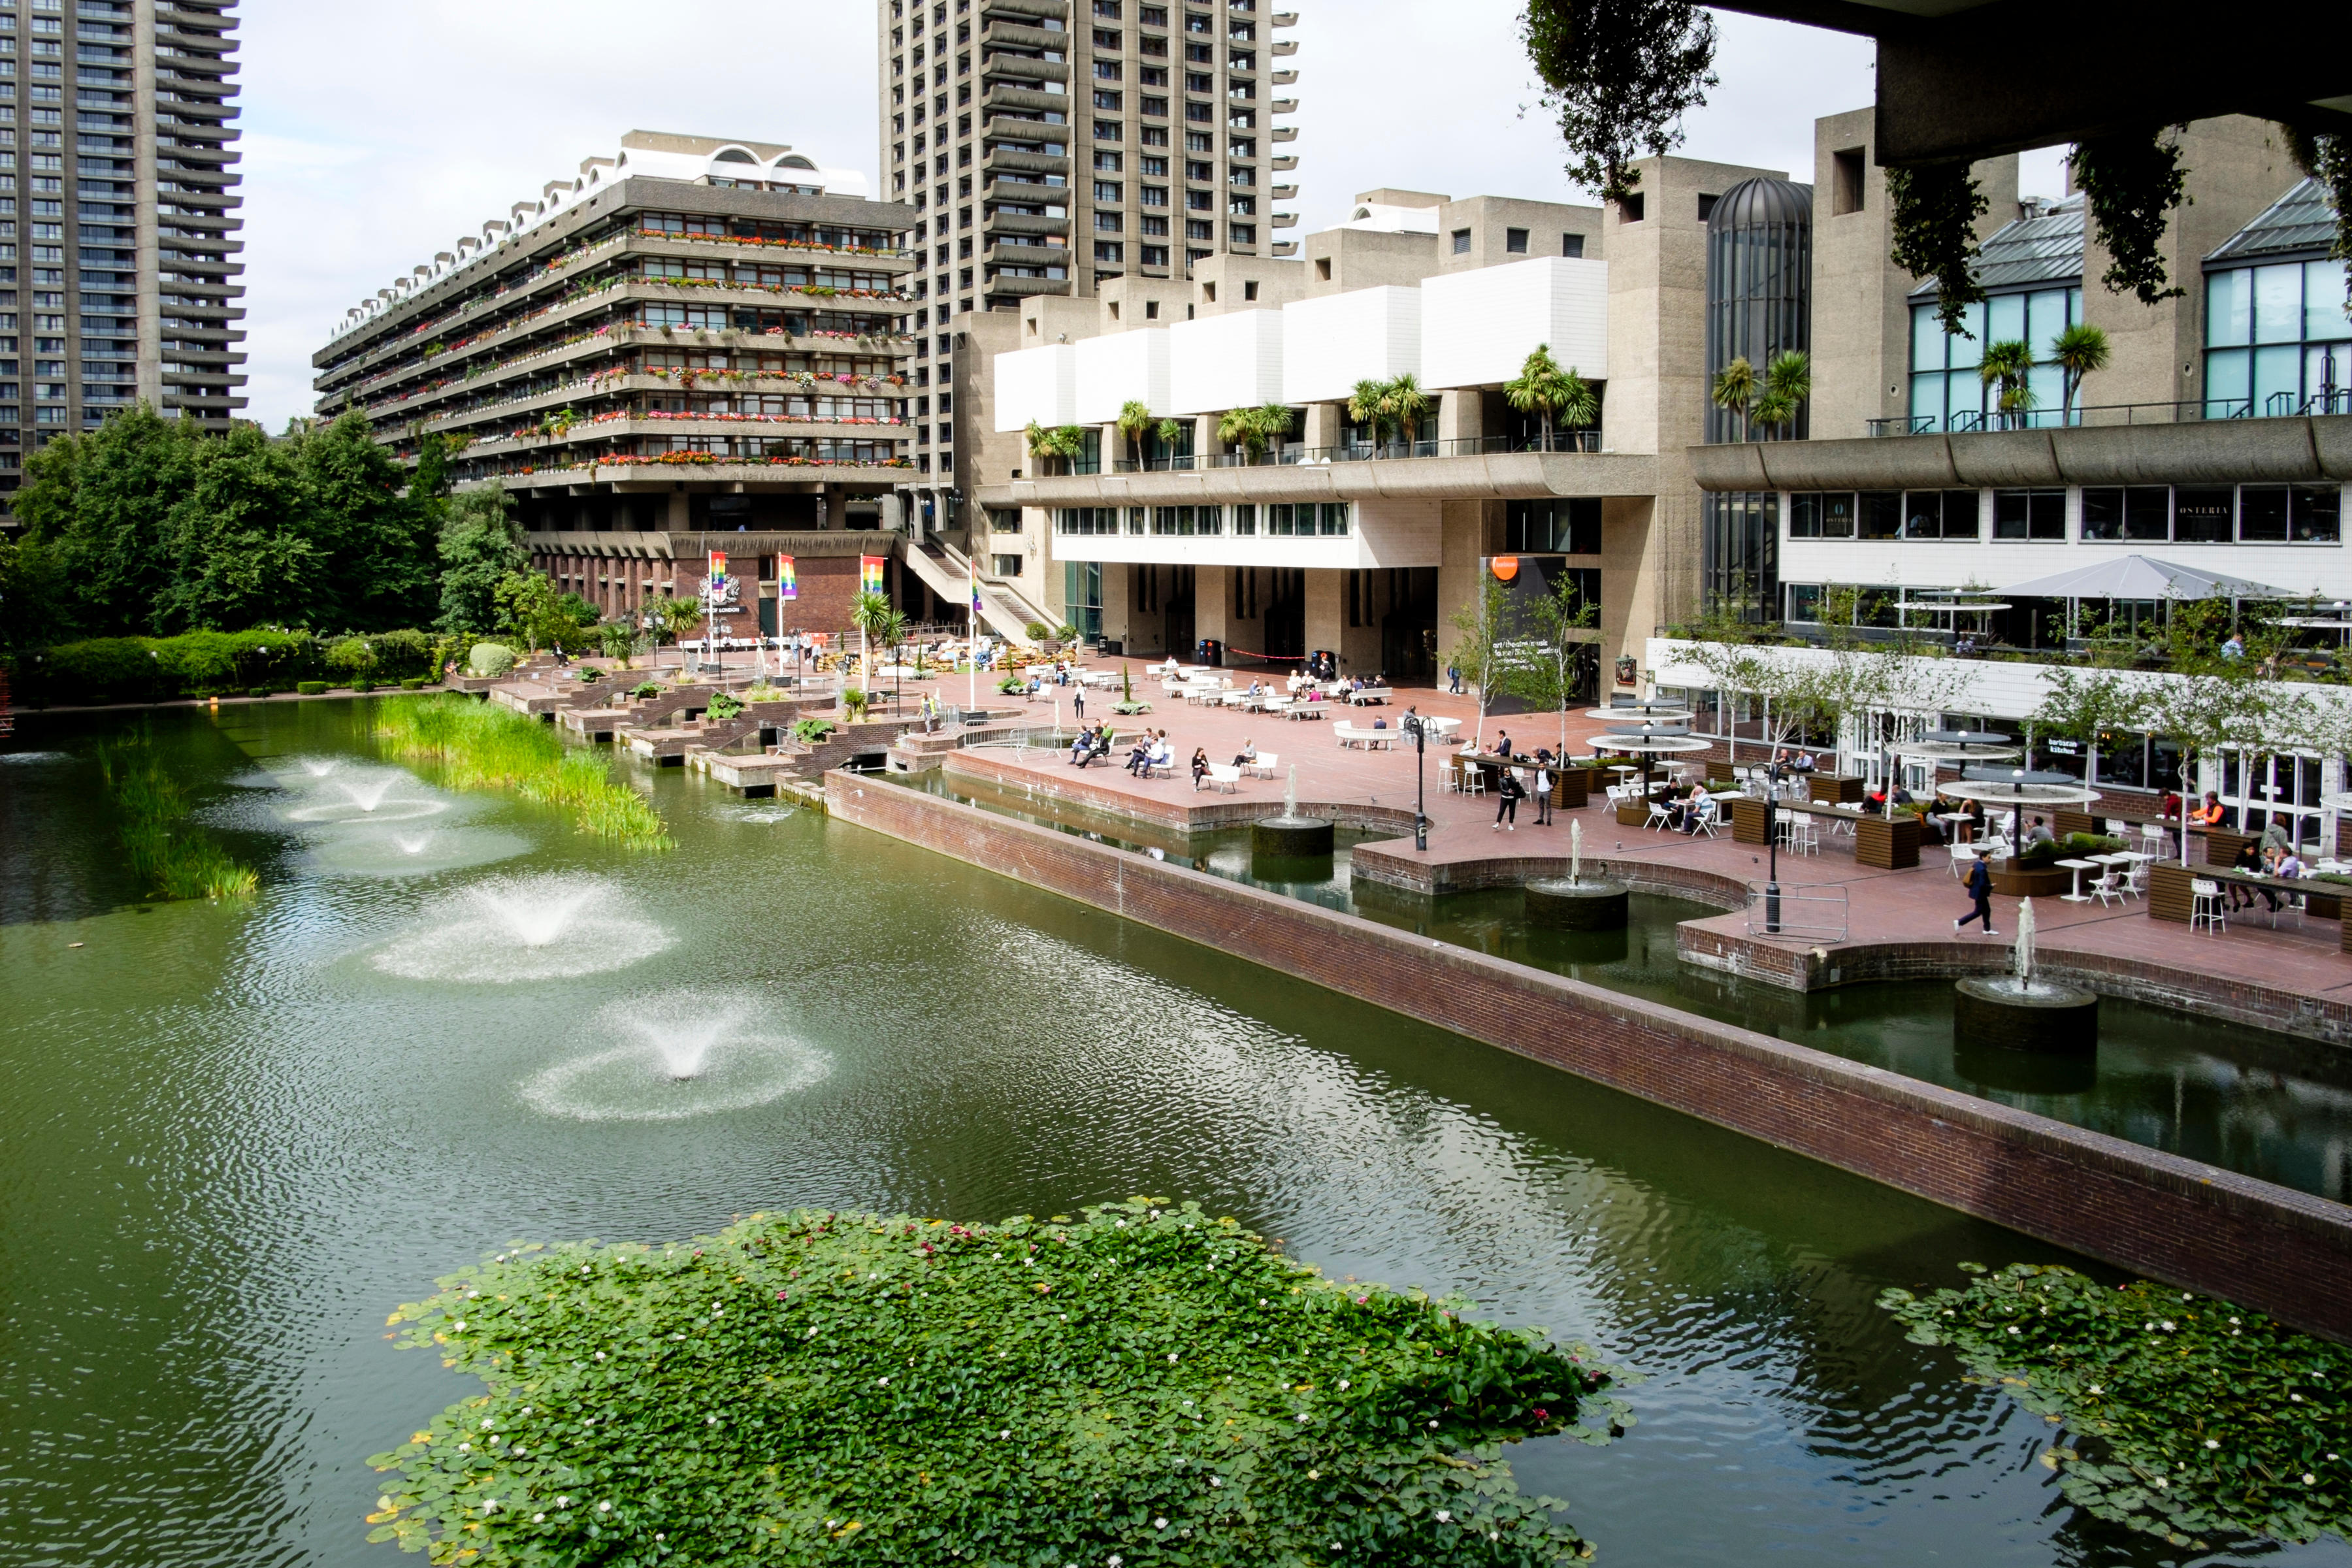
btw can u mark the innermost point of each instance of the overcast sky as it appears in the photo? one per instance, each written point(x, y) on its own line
point(368, 147)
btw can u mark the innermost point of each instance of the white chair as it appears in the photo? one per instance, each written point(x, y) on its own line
point(1660, 815)
point(1221, 777)
point(2108, 889)
point(1707, 820)
point(2206, 907)
point(1804, 836)
point(1449, 777)
point(1963, 856)
point(1473, 779)
point(2151, 835)
point(2136, 878)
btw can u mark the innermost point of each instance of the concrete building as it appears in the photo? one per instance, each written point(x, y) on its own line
point(118, 250)
point(1065, 148)
point(691, 345)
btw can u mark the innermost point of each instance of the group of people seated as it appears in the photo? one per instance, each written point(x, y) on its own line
point(1091, 742)
point(2272, 855)
point(1152, 749)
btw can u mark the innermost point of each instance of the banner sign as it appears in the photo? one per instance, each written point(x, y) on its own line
point(870, 573)
point(788, 586)
point(718, 573)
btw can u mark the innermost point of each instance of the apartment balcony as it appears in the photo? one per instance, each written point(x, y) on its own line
point(1001, 160)
point(1032, 192)
point(1003, 286)
point(1285, 45)
point(1023, 100)
point(657, 475)
point(1285, 106)
point(1013, 253)
point(1018, 10)
point(1286, 18)
point(1285, 192)
point(1017, 70)
point(1284, 247)
point(1285, 79)
point(1285, 133)
point(1286, 220)
point(1001, 225)
point(1011, 34)
point(1283, 162)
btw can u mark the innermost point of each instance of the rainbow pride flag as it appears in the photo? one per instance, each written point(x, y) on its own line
point(870, 573)
point(788, 583)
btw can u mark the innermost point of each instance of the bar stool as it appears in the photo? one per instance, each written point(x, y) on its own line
point(2207, 906)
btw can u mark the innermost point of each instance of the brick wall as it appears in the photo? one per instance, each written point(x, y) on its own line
point(2196, 1225)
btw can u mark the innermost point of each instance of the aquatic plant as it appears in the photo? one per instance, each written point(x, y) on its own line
point(178, 861)
point(477, 746)
point(723, 705)
point(1141, 1384)
point(2195, 1418)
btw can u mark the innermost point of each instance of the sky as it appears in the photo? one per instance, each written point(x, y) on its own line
point(368, 147)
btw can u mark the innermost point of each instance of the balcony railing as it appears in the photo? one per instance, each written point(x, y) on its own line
point(1972, 422)
point(1365, 452)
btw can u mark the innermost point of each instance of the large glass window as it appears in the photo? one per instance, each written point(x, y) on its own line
point(1948, 390)
point(1568, 527)
point(2028, 514)
point(1082, 596)
point(2277, 341)
point(2209, 514)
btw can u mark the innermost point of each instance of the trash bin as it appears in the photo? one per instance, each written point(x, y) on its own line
point(1209, 651)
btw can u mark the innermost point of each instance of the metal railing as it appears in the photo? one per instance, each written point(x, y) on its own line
point(1970, 422)
point(1563, 441)
point(1811, 912)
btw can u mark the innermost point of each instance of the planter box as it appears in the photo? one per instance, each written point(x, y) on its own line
point(2044, 884)
point(1748, 821)
point(1893, 844)
point(1632, 813)
point(1832, 789)
point(2065, 822)
point(2222, 845)
point(1571, 788)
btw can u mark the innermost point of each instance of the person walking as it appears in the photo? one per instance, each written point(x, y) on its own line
point(1980, 887)
point(1507, 791)
point(1543, 795)
point(1453, 680)
point(1079, 703)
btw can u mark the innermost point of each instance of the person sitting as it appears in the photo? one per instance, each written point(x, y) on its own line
point(1247, 755)
point(2275, 838)
point(1255, 689)
point(2209, 815)
point(2038, 834)
point(1379, 724)
point(1082, 748)
point(1140, 757)
point(2249, 858)
point(1200, 765)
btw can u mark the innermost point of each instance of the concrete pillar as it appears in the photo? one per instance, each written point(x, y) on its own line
point(894, 511)
point(1206, 443)
point(1633, 585)
point(1323, 421)
point(1460, 414)
point(1360, 646)
point(1212, 602)
point(1115, 606)
point(677, 513)
point(1463, 541)
point(1327, 611)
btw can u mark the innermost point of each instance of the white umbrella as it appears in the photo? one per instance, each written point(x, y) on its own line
point(2140, 577)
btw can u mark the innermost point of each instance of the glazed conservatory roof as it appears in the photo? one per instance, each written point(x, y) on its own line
point(2044, 249)
point(2299, 221)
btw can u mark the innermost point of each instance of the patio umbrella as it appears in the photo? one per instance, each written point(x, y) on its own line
point(1649, 741)
point(1962, 746)
point(2140, 577)
point(2021, 787)
point(1648, 712)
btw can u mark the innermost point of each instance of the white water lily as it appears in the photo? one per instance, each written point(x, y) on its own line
point(2213, 1442)
point(1445, 1516)
point(465, 1447)
point(2096, 1389)
point(459, 1327)
point(1302, 1416)
point(1159, 1524)
point(2168, 1326)
point(2309, 1479)
point(564, 1502)
point(603, 1508)
point(1216, 1481)
point(1343, 1385)
point(539, 1518)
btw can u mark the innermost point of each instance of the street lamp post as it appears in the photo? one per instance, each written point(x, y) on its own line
point(1772, 848)
point(1413, 722)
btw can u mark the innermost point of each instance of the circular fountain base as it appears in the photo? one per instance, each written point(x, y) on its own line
point(1590, 905)
point(2053, 1019)
point(1291, 836)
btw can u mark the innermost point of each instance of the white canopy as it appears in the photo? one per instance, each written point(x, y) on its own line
point(2140, 577)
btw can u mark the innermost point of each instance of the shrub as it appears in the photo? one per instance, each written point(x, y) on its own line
point(405, 653)
point(310, 688)
point(256, 691)
point(413, 683)
point(645, 688)
point(1011, 685)
point(723, 705)
point(855, 702)
point(1038, 631)
point(363, 686)
point(1065, 633)
point(350, 659)
point(489, 661)
point(812, 732)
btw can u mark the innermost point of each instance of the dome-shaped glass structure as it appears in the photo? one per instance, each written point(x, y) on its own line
point(1759, 263)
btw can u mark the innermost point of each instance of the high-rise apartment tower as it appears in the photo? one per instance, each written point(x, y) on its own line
point(1052, 146)
point(119, 249)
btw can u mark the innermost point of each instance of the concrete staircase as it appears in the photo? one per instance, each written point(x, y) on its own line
point(947, 571)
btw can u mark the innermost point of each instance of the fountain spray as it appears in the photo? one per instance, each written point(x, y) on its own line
point(1290, 794)
point(2025, 944)
point(1575, 850)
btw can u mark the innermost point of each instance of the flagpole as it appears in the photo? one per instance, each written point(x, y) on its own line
point(971, 695)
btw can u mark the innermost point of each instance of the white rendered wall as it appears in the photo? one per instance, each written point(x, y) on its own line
point(1233, 361)
point(1382, 533)
point(1478, 326)
point(1117, 368)
point(1331, 342)
point(1036, 384)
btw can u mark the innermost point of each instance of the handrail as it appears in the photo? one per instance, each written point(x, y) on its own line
point(1971, 421)
point(1563, 441)
point(1810, 912)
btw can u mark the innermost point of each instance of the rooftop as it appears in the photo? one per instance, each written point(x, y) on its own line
point(2299, 224)
point(2047, 249)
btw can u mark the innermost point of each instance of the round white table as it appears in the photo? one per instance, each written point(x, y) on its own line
point(2078, 867)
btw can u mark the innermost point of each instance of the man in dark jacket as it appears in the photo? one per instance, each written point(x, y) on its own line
point(1980, 890)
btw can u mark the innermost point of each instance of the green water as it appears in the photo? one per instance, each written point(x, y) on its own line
point(2245, 1099)
point(232, 1139)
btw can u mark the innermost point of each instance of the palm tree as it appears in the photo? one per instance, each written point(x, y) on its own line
point(1062, 441)
point(1134, 422)
point(1409, 405)
point(1788, 382)
point(1368, 405)
point(1170, 432)
point(1734, 390)
point(2078, 351)
point(1537, 388)
point(1576, 405)
point(1251, 429)
point(871, 613)
point(2008, 364)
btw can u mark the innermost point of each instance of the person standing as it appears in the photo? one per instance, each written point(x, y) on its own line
point(1543, 795)
point(1507, 791)
point(1079, 703)
point(1980, 887)
point(1453, 680)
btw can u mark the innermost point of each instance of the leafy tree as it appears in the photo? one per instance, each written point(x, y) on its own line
point(1061, 442)
point(1934, 224)
point(380, 569)
point(2081, 705)
point(1478, 647)
point(1559, 649)
point(102, 501)
point(674, 618)
point(531, 608)
point(481, 547)
point(1619, 75)
point(2130, 182)
point(1368, 406)
point(36, 605)
point(243, 540)
point(1255, 429)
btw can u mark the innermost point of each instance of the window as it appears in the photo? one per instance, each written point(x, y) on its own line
point(1108, 250)
point(2140, 514)
point(2203, 514)
point(1845, 181)
point(1108, 99)
point(1107, 39)
point(2028, 514)
point(1515, 241)
point(1461, 242)
point(1108, 70)
point(1571, 246)
point(1950, 393)
point(1880, 515)
point(1106, 130)
point(1566, 527)
point(1249, 289)
point(1109, 191)
point(1109, 223)
point(1940, 514)
point(1244, 522)
point(1706, 207)
point(2277, 341)
point(1194, 228)
point(1152, 310)
point(1629, 208)
point(1821, 515)
point(1007, 566)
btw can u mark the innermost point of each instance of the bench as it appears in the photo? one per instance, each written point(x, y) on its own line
point(1221, 777)
point(1263, 768)
point(1371, 694)
point(1356, 735)
point(1304, 711)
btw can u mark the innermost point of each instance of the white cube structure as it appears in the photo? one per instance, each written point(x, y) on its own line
point(1036, 385)
point(1330, 344)
point(1233, 361)
point(1119, 368)
point(1478, 326)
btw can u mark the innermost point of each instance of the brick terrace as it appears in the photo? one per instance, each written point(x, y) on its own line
point(1900, 922)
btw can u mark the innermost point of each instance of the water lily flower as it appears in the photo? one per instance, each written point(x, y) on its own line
point(2308, 1478)
point(2213, 1442)
point(1216, 1481)
point(564, 1502)
point(2096, 1389)
point(1159, 1524)
point(1445, 1516)
point(603, 1508)
point(459, 1327)
point(2168, 1326)
point(1343, 1385)
point(539, 1518)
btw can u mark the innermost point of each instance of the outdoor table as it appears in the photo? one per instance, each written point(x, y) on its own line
point(2170, 898)
point(2078, 867)
point(1958, 824)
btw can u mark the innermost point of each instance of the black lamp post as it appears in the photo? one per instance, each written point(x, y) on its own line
point(1413, 722)
point(1772, 848)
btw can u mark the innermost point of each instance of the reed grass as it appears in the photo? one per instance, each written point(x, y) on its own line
point(176, 861)
point(477, 746)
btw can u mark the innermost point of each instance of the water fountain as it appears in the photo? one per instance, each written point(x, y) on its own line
point(1290, 834)
point(2022, 1011)
point(338, 795)
point(524, 928)
point(683, 1053)
point(1571, 903)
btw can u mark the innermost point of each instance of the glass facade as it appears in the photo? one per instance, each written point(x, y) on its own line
point(1948, 390)
point(1082, 597)
point(1739, 542)
point(1760, 263)
point(1566, 527)
point(2277, 341)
